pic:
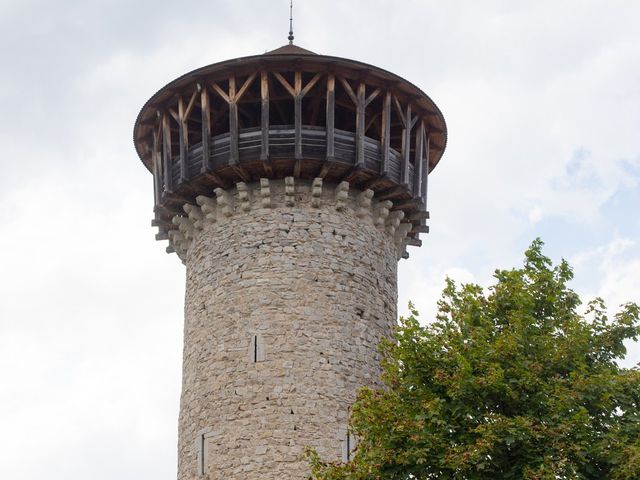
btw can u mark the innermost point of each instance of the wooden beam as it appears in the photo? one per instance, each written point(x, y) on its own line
point(349, 90)
point(391, 193)
point(406, 147)
point(385, 134)
point(399, 111)
point(234, 154)
point(360, 121)
point(285, 84)
point(157, 170)
point(371, 121)
point(183, 137)
point(207, 163)
point(372, 97)
point(220, 92)
point(190, 105)
point(331, 115)
point(297, 102)
point(417, 162)
point(425, 170)
point(167, 154)
point(311, 84)
point(264, 121)
point(244, 87)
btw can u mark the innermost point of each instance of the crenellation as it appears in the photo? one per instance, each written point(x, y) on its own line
point(243, 196)
point(289, 192)
point(341, 196)
point(393, 221)
point(225, 201)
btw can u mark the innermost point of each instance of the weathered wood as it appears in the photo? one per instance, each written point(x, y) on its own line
point(157, 170)
point(360, 122)
point(191, 104)
point(285, 84)
point(311, 84)
point(297, 101)
point(406, 148)
point(425, 170)
point(391, 193)
point(234, 153)
point(166, 153)
point(183, 137)
point(331, 115)
point(348, 90)
point(385, 135)
point(264, 121)
point(417, 161)
point(207, 163)
point(247, 83)
point(372, 96)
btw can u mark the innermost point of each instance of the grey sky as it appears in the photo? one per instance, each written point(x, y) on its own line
point(542, 100)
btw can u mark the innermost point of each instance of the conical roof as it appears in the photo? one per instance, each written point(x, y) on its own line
point(290, 49)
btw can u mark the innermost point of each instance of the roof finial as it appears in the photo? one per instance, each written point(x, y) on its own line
point(291, 23)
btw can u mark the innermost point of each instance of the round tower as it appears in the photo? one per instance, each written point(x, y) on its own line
point(289, 184)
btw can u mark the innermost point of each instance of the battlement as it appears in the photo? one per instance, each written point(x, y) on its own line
point(288, 194)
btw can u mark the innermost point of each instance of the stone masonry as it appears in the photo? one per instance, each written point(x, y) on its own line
point(290, 286)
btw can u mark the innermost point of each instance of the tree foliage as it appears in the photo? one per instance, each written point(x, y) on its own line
point(511, 384)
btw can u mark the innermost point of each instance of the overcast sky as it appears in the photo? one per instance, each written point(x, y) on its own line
point(542, 101)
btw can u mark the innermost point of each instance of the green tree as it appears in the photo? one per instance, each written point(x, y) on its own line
point(512, 384)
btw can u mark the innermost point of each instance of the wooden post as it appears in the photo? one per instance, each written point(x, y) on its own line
point(234, 153)
point(167, 154)
point(157, 170)
point(297, 100)
point(331, 117)
point(386, 135)
point(417, 162)
point(264, 123)
point(425, 170)
point(183, 135)
point(207, 164)
point(360, 119)
point(406, 147)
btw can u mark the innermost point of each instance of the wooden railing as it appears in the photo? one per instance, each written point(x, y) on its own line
point(282, 147)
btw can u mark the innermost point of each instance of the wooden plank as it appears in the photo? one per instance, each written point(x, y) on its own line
point(386, 135)
point(234, 153)
point(331, 115)
point(360, 121)
point(417, 162)
point(166, 153)
point(264, 121)
point(207, 161)
point(183, 137)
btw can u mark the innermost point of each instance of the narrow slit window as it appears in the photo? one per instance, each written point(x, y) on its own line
point(202, 455)
point(256, 349)
point(348, 445)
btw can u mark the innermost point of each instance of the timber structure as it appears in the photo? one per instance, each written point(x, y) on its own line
point(291, 113)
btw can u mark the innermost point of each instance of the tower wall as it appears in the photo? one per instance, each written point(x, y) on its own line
point(290, 287)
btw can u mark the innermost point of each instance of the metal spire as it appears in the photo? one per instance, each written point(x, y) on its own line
point(291, 23)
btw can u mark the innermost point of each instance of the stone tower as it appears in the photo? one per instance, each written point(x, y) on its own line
point(289, 184)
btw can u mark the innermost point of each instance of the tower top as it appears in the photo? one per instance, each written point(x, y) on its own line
point(291, 23)
point(291, 113)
